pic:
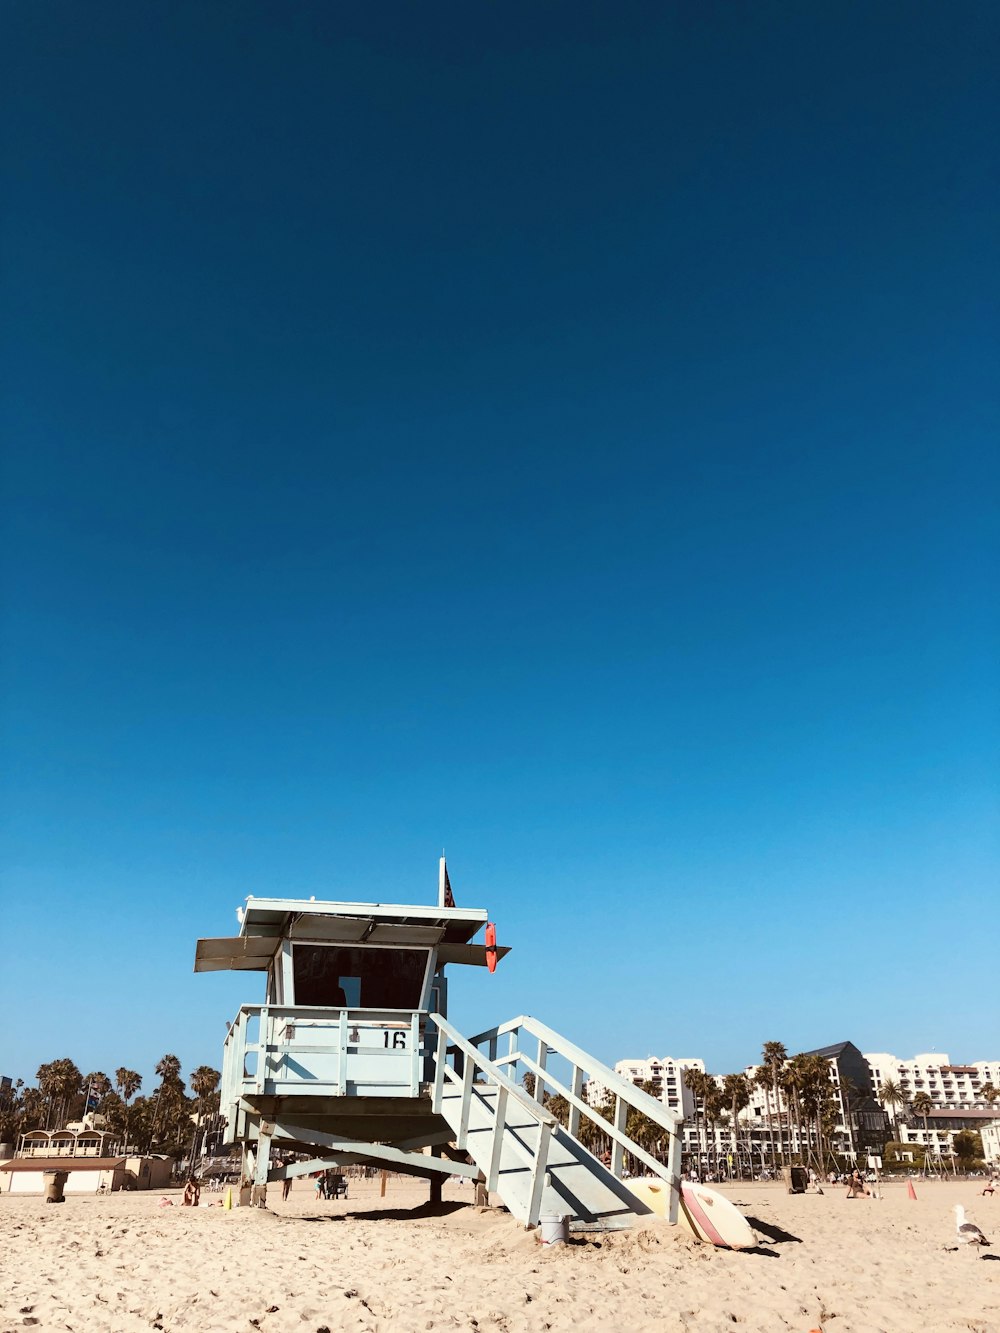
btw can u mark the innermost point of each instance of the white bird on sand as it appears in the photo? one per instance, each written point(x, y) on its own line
point(967, 1232)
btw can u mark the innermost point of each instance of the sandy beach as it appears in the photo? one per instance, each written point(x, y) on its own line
point(126, 1263)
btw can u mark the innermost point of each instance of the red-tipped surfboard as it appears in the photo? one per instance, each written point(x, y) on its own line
point(705, 1213)
point(713, 1218)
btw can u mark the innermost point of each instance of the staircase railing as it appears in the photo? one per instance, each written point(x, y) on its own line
point(467, 1061)
point(541, 1042)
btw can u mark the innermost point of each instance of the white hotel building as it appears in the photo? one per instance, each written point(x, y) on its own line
point(665, 1074)
point(955, 1091)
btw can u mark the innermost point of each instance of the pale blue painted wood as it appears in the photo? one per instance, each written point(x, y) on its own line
point(288, 1051)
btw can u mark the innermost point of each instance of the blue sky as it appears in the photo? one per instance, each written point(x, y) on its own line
point(562, 434)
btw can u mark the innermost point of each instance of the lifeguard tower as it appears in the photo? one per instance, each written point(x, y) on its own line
point(351, 1059)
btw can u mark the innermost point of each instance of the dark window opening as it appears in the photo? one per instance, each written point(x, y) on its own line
point(358, 978)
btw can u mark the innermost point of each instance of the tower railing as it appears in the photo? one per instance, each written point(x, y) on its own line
point(529, 1047)
point(286, 1050)
point(466, 1063)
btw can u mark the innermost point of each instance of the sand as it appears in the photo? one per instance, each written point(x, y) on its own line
point(124, 1263)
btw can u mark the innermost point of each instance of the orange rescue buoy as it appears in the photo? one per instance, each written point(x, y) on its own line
point(491, 946)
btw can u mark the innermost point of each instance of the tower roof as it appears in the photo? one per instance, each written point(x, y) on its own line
point(265, 922)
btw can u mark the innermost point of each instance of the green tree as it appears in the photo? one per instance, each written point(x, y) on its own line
point(713, 1109)
point(645, 1132)
point(10, 1112)
point(904, 1155)
point(818, 1105)
point(128, 1083)
point(968, 1146)
point(204, 1082)
point(140, 1121)
point(922, 1106)
point(59, 1082)
point(696, 1082)
point(595, 1139)
point(891, 1095)
point(169, 1096)
point(736, 1092)
point(766, 1080)
point(31, 1110)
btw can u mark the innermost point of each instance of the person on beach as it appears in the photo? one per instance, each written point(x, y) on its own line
point(990, 1186)
point(192, 1193)
point(855, 1185)
point(286, 1184)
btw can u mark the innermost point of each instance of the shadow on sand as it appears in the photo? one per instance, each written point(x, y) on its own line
point(772, 1232)
point(376, 1214)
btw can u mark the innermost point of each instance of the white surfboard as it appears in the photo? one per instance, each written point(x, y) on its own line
point(705, 1213)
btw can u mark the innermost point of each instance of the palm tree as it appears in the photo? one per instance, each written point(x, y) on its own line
point(169, 1070)
point(593, 1138)
point(695, 1082)
point(32, 1109)
point(815, 1093)
point(204, 1082)
point(642, 1130)
point(713, 1107)
point(794, 1078)
point(59, 1081)
point(773, 1059)
point(890, 1094)
point(923, 1104)
point(10, 1114)
point(989, 1093)
point(128, 1083)
point(736, 1090)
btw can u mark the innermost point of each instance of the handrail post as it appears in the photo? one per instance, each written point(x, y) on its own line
point(496, 1146)
point(576, 1087)
point(674, 1148)
point(263, 1041)
point(538, 1174)
point(415, 1054)
point(440, 1060)
point(468, 1074)
point(618, 1149)
point(543, 1051)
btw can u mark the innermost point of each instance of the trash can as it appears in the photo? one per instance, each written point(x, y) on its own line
point(796, 1179)
point(55, 1183)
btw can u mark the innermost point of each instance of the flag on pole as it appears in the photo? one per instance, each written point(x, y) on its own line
point(93, 1098)
point(445, 896)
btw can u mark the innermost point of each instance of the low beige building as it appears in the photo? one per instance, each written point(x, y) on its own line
point(90, 1157)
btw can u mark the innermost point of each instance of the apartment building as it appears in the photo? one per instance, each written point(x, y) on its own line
point(990, 1134)
point(863, 1123)
point(956, 1093)
point(666, 1074)
point(947, 1084)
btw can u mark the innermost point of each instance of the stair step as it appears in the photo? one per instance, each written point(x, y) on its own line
point(577, 1185)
